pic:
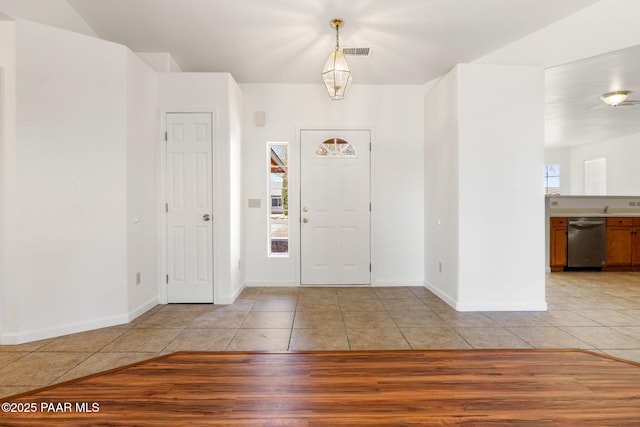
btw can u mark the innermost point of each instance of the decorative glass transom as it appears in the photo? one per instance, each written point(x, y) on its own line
point(335, 147)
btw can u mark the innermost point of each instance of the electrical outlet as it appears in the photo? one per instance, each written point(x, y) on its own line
point(138, 278)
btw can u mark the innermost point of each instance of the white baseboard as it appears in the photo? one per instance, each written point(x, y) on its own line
point(396, 283)
point(291, 283)
point(502, 306)
point(142, 309)
point(65, 329)
point(487, 305)
point(76, 327)
point(271, 283)
point(231, 298)
point(442, 295)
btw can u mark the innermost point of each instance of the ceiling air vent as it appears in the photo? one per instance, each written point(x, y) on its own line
point(357, 51)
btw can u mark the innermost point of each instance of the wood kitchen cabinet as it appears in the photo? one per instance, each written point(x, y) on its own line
point(558, 244)
point(623, 243)
point(635, 257)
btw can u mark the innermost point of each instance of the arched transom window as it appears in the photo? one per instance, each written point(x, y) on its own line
point(335, 147)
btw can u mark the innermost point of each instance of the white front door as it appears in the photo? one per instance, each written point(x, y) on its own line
point(189, 208)
point(335, 207)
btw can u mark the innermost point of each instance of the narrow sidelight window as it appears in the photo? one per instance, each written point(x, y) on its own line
point(278, 166)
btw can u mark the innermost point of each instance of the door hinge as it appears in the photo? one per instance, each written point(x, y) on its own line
point(369, 146)
point(369, 207)
point(166, 136)
point(166, 207)
point(369, 267)
point(167, 278)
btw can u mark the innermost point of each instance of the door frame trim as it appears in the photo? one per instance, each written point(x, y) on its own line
point(162, 250)
point(295, 170)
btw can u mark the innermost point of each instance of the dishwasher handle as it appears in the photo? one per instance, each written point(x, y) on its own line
point(583, 223)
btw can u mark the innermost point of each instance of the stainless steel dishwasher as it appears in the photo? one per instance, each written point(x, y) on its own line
point(587, 242)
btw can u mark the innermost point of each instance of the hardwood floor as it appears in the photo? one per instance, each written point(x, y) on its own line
point(436, 387)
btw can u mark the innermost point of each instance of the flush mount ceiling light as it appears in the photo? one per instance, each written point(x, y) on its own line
point(615, 98)
point(336, 74)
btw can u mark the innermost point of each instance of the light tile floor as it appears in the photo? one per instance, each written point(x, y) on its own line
point(589, 310)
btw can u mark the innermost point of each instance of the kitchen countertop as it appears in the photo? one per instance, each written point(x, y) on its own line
point(590, 213)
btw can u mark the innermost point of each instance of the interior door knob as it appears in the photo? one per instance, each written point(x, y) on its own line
point(206, 217)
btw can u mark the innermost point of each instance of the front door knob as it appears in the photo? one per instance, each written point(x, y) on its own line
point(206, 217)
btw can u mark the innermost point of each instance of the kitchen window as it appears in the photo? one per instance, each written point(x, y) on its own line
point(551, 179)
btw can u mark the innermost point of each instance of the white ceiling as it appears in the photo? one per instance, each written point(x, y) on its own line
point(412, 42)
point(288, 41)
point(574, 112)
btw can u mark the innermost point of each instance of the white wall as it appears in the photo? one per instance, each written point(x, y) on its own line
point(395, 115)
point(69, 259)
point(218, 93)
point(161, 62)
point(621, 154)
point(442, 188)
point(68, 225)
point(236, 184)
point(8, 316)
point(501, 143)
point(142, 185)
point(499, 218)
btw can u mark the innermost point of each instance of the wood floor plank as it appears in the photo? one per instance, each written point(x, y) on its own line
point(440, 387)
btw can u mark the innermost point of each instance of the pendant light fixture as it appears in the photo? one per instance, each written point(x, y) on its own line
point(336, 74)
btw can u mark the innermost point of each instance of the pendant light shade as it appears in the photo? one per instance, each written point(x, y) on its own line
point(336, 74)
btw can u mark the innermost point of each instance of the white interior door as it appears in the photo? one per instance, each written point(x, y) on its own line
point(189, 207)
point(335, 207)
